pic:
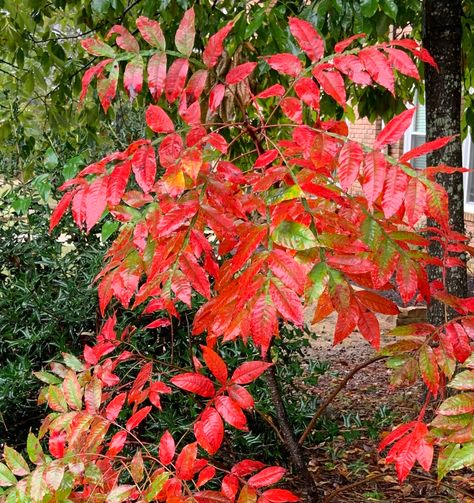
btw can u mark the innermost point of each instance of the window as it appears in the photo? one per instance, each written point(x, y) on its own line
point(415, 136)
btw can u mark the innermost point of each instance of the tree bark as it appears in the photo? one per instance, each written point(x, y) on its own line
point(294, 449)
point(442, 38)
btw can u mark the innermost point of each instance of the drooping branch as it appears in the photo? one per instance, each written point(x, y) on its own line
point(334, 393)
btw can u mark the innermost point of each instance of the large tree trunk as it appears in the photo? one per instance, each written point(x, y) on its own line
point(442, 38)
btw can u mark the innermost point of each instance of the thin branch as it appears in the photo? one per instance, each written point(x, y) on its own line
point(342, 489)
point(334, 393)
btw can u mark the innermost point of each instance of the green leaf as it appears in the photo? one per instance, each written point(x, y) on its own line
point(34, 449)
point(368, 7)
point(463, 381)
point(43, 185)
point(15, 462)
point(72, 166)
point(50, 159)
point(6, 476)
point(455, 457)
point(156, 486)
point(429, 368)
point(21, 204)
point(47, 377)
point(100, 6)
point(93, 474)
point(108, 228)
point(255, 23)
point(72, 362)
point(294, 235)
point(119, 493)
point(390, 8)
point(281, 194)
point(457, 404)
point(318, 276)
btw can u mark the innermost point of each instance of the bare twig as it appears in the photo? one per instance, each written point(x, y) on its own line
point(334, 393)
point(342, 489)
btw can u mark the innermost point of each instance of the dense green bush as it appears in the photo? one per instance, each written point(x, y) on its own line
point(46, 304)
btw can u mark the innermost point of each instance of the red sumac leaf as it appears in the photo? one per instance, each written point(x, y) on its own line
point(96, 47)
point(285, 63)
point(209, 430)
point(266, 158)
point(151, 32)
point(415, 201)
point(185, 462)
point(117, 182)
point(195, 274)
point(158, 120)
point(426, 148)
point(115, 406)
point(137, 418)
point(184, 38)
point(239, 73)
point(308, 38)
point(175, 79)
point(279, 496)
point(144, 167)
point(210, 497)
point(288, 303)
point(170, 150)
point(241, 396)
point(308, 92)
point(344, 44)
point(395, 129)
point(378, 67)
point(60, 209)
point(350, 159)
point(117, 442)
point(206, 475)
point(195, 383)
point(429, 369)
point(57, 443)
point(95, 201)
point(249, 371)
point(167, 448)
point(125, 39)
point(215, 364)
point(402, 62)
point(156, 74)
point(332, 82)
point(394, 190)
point(272, 91)
point(267, 477)
point(292, 108)
point(231, 412)
point(246, 467)
point(214, 46)
point(374, 171)
point(216, 96)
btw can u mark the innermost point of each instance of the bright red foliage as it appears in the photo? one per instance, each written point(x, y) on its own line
point(257, 245)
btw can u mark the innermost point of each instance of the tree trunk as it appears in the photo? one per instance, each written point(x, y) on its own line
point(442, 38)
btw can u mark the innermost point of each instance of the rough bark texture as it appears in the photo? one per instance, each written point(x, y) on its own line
point(294, 449)
point(442, 38)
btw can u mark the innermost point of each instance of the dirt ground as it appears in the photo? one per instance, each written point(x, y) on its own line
point(353, 471)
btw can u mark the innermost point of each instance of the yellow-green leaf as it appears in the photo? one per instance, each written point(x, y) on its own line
point(294, 235)
point(15, 462)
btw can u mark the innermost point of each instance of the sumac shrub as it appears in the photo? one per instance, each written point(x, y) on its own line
point(254, 218)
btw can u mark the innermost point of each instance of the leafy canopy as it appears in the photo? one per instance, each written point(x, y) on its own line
point(256, 217)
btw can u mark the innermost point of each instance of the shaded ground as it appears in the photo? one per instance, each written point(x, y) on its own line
point(352, 465)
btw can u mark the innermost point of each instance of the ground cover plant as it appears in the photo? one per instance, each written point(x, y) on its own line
point(251, 202)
